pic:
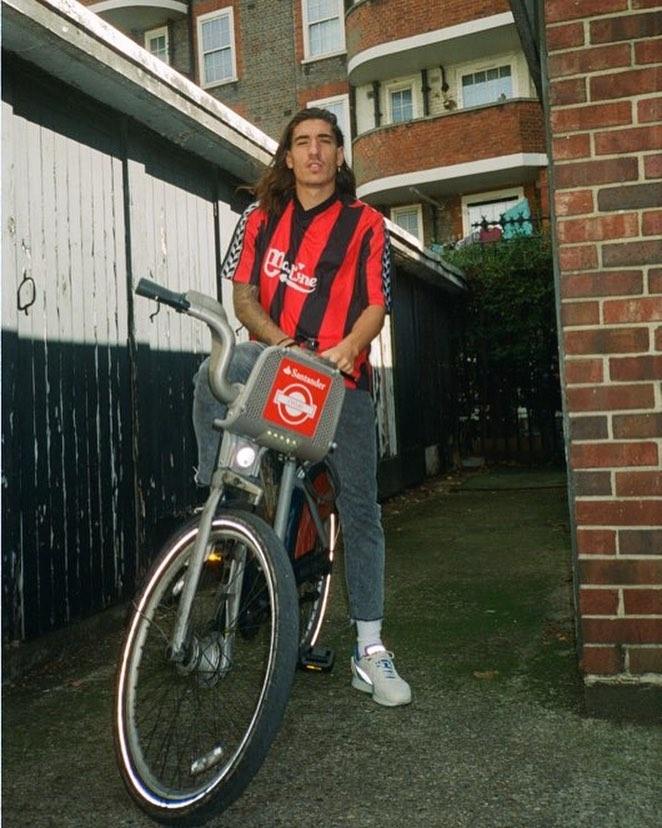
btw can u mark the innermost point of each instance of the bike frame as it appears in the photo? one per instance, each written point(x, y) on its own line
point(228, 473)
point(293, 477)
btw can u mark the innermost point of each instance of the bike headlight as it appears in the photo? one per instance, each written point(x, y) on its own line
point(245, 457)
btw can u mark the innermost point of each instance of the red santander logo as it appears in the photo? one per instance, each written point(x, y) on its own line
point(297, 398)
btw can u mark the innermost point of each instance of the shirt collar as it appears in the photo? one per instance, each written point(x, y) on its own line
point(308, 215)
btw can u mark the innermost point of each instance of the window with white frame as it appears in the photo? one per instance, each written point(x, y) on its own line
point(488, 206)
point(410, 218)
point(324, 27)
point(401, 97)
point(487, 85)
point(216, 47)
point(401, 104)
point(339, 106)
point(156, 42)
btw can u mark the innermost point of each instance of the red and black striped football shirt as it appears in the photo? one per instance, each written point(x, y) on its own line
point(315, 270)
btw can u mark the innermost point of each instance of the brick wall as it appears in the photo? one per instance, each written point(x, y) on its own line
point(379, 21)
point(315, 79)
point(180, 46)
point(459, 137)
point(605, 111)
point(274, 80)
point(230, 93)
point(315, 92)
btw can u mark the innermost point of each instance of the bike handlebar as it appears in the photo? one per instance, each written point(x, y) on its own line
point(213, 313)
point(208, 310)
point(152, 290)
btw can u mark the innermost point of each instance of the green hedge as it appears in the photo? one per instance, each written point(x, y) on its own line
point(508, 355)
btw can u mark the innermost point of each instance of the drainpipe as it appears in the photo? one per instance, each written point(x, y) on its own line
point(352, 113)
point(170, 28)
point(444, 84)
point(375, 103)
point(449, 103)
point(193, 73)
point(425, 89)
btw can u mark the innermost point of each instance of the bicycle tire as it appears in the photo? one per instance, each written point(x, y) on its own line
point(189, 739)
point(312, 558)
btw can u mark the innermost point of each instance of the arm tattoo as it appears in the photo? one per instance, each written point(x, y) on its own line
point(252, 315)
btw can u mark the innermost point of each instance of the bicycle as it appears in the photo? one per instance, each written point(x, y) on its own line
point(232, 603)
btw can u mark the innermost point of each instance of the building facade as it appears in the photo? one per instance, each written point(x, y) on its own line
point(445, 122)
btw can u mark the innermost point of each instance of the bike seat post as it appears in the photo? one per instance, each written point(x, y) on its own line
point(287, 482)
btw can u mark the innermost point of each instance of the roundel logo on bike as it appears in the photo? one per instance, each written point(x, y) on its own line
point(297, 396)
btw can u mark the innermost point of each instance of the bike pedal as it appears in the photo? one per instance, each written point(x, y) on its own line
point(317, 659)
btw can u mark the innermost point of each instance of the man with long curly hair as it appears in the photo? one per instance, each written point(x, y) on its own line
point(310, 265)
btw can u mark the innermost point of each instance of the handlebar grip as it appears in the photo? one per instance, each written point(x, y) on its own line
point(152, 290)
point(327, 362)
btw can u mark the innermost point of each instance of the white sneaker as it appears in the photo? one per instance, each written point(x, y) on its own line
point(375, 674)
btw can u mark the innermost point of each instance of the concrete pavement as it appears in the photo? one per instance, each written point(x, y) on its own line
point(479, 614)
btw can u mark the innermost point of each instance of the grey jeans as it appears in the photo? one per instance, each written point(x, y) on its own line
point(355, 461)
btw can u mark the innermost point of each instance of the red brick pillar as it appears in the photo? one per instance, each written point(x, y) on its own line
point(605, 73)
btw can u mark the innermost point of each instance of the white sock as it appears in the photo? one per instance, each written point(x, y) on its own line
point(369, 637)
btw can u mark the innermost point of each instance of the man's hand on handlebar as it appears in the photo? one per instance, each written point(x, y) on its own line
point(343, 355)
point(365, 329)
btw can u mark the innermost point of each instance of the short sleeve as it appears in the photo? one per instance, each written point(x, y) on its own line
point(239, 262)
point(378, 268)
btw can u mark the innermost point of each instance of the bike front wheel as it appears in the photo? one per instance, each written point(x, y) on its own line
point(190, 734)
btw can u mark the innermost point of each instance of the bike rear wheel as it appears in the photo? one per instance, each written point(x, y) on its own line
point(190, 736)
point(312, 555)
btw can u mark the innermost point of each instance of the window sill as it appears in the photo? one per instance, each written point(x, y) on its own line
point(223, 82)
point(317, 58)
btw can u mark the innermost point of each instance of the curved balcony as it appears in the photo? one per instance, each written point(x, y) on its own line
point(401, 37)
point(468, 150)
point(126, 15)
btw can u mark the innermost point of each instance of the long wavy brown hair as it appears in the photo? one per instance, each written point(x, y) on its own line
point(276, 186)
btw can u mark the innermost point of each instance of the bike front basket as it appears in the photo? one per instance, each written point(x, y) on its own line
point(291, 403)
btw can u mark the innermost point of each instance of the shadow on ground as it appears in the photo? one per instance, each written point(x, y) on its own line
point(479, 613)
